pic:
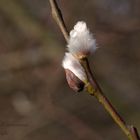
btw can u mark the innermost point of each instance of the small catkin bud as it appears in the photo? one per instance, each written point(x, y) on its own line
point(74, 82)
point(81, 42)
point(75, 73)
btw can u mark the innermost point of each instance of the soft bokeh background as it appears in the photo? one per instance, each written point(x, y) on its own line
point(35, 100)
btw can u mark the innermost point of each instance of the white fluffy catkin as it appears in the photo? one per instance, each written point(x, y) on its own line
point(73, 64)
point(81, 41)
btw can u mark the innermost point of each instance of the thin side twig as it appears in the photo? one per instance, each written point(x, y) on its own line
point(92, 87)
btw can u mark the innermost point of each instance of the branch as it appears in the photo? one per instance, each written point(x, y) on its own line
point(92, 87)
point(56, 13)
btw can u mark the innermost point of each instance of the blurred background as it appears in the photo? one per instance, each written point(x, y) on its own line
point(35, 100)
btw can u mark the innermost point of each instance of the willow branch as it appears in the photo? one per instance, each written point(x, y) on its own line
point(56, 13)
point(92, 86)
point(94, 89)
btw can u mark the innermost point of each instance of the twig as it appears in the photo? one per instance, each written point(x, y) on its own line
point(93, 87)
point(56, 13)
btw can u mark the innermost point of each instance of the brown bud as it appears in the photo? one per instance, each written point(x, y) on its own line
point(74, 82)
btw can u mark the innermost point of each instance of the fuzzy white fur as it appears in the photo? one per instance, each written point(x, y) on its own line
point(72, 64)
point(81, 41)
